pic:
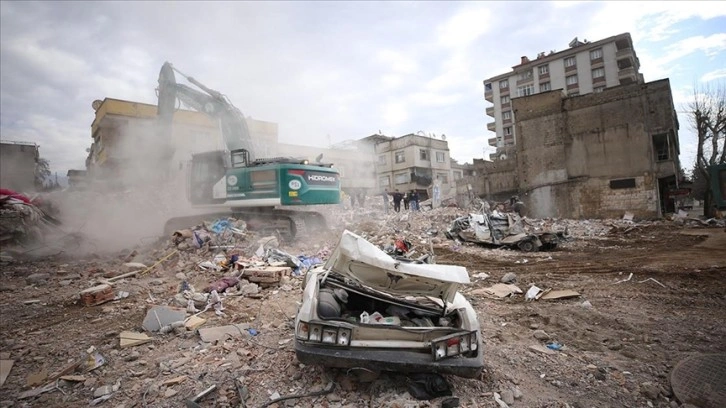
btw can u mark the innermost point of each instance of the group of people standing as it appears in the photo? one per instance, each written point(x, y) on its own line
point(410, 200)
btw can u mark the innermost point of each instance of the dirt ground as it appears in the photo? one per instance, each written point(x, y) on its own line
point(619, 348)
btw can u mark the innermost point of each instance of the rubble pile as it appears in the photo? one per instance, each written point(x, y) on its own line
point(21, 220)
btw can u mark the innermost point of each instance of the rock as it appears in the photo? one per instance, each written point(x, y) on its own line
point(649, 390)
point(250, 289)
point(615, 346)
point(165, 315)
point(181, 276)
point(507, 397)
point(509, 277)
point(101, 391)
point(517, 393)
point(586, 304)
point(334, 397)
point(38, 279)
point(274, 396)
point(170, 392)
point(65, 282)
point(541, 335)
point(135, 355)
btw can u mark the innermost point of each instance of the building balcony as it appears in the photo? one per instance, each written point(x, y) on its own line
point(488, 94)
point(492, 141)
point(490, 111)
point(627, 74)
point(492, 126)
point(625, 52)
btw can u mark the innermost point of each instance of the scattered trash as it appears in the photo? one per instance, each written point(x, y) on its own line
point(36, 378)
point(194, 322)
point(624, 280)
point(651, 279)
point(501, 290)
point(192, 402)
point(427, 386)
point(94, 360)
point(554, 346)
point(532, 293)
point(498, 400)
point(628, 216)
point(586, 304)
point(541, 349)
point(222, 285)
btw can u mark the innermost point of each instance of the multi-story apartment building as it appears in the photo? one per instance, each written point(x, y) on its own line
point(17, 165)
point(412, 162)
point(583, 68)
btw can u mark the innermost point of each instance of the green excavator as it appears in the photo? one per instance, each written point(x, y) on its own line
point(235, 183)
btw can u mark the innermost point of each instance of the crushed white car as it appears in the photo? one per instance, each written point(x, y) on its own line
point(364, 308)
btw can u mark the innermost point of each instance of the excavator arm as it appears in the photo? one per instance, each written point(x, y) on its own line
point(213, 103)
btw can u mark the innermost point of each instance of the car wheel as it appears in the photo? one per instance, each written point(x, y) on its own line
point(527, 245)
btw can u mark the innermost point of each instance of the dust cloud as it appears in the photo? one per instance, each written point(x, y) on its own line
point(142, 186)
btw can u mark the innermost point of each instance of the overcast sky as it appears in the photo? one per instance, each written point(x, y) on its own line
point(325, 71)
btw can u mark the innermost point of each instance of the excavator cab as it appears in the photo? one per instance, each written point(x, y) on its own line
point(207, 170)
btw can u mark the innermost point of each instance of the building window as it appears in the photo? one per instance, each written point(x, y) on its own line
point(660, 146)
point(525, 90)
point(458, 175)
point(544, 69)
point(402, 178)
point(571, 80)
point(382, 160)
point(400, 156)
point(505, 99)
point(523, 76)
point(443, 177)
point(508, 131)
point(488, 87)
point(595, 54)
point(545, 86)
point(598, 73)
point(504, 84)
point(384, 181)
point(622, 183)
point(570, 62)
point(598, 89)
point(423, 154)
point(507, 115)
point(440, 157)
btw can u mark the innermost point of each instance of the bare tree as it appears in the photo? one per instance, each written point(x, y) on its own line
point(42, 172)
point(708, 117)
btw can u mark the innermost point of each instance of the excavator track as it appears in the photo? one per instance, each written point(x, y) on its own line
point(288, 224)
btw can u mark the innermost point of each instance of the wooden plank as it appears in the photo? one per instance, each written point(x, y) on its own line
point(131, 339)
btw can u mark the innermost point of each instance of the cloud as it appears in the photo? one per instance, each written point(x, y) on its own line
point(713, 75)
point(465, 27)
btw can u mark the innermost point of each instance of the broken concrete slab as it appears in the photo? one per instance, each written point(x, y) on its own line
point(266, 274)
point(37, 378)
point(160, 316)
point(131, 339)
point(211, 334)
point(559, 294)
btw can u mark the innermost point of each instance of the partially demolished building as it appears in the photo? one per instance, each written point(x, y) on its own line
point(590, 156)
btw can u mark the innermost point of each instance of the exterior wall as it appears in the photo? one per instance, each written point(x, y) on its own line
point(575, 147)
point(556, 77)
point(17, 165)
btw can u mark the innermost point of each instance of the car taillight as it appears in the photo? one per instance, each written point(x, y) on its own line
point(303, 332)
point(330, 336)
point(333, 335)
point(315, 332)
point(453, 345)
point(343, 337)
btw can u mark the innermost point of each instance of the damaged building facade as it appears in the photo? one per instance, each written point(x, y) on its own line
point(592, 156)
point(17, 165)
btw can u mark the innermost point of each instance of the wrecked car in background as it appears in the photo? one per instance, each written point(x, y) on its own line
point(366, 309)
point(502, 229)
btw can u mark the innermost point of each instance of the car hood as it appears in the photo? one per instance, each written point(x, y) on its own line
point(361, 261)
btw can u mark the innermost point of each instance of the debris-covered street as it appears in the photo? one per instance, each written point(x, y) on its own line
point(615, 308)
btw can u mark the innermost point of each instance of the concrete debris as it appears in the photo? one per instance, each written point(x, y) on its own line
point(161, 316)
point(212, 334)
point(509, 277)
point(559, 294)
point(131, 339)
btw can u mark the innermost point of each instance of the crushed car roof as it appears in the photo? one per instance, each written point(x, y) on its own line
point(361, 261)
